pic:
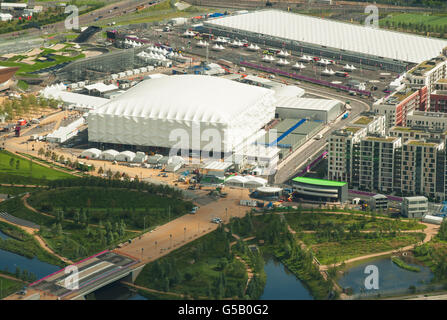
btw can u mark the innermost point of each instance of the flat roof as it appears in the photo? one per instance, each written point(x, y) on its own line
point(320, 182)
point(381, 139)
point(341, 35)
point(363, 120)
point(306, 103)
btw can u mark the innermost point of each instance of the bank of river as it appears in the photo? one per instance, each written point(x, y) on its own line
point(392, 278)
point(9, 261)
point(282, 284)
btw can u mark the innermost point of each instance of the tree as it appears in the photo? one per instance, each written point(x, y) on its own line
point(59, 229)
point(100, 170)
point(18, 164)
point(11, 162)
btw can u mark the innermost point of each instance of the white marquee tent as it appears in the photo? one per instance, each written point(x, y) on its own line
point(126, 156)
point(109, 154)
point(91, 153)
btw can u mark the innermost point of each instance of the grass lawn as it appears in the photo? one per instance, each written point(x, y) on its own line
point(26, 172)
point(25, 69)
point(317, 221)
point(9, 286)
point(334, 252)
point(416, 18)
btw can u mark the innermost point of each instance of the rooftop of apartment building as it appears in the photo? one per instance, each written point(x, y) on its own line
point(422, 68)
point(428, 114)
point(420, 143)
point(440, 92)
point(349, 130)
point(363, 120)
point(397, 96)
point(381, 139)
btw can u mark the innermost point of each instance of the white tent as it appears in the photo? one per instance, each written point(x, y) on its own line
point(176, 160)
point(91, 153)
point(109, 154)
point(126, 156)
point(236, 181)
point(254, 182)
point(154, 159)
point(140, 157)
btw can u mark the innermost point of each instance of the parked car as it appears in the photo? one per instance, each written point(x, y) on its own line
point(216, 220)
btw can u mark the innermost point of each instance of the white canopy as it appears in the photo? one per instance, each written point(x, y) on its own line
point(92, 153)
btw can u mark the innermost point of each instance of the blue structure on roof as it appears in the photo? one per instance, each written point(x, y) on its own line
point(285, 134)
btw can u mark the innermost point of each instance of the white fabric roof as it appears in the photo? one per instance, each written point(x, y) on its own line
point(59, 92)
point(91, 151)
point(288, 91)
point(110, 152)
point(154, 112)
point(101, 87)
point(218, 165)
point(329, 33)
point(219, 100)
point(306, 103)
point(247, 180)
point(269, 189)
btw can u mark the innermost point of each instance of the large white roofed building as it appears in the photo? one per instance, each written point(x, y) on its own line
point(156, 111)
point(325, 35)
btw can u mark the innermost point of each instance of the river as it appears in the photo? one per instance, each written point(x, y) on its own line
point(282, 284)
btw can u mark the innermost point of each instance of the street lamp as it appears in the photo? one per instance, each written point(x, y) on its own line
point(184, 238)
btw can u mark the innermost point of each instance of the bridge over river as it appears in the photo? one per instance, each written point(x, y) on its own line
point(90, 274)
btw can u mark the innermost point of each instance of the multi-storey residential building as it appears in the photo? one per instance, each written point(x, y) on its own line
point(438, 100)
point(344, 144)
point(396, 106)
point(421, 161)
point(430, 120)
point(377, 163)
point(374, 123)
point(427, 73)
point(342, 157)
point(408, 133)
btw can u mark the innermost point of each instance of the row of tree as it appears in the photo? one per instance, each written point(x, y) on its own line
point(17, 107)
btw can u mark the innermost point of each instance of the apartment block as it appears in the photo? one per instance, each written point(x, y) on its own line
point(343, 148)
point(408, 133)
point(436, 121)
point(396, 106)
point(438, 101)
point(377, 163)
point(421, 161)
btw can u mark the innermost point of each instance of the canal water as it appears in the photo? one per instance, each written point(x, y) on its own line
point(282, 284)
point(9, 261)
point(392, 279)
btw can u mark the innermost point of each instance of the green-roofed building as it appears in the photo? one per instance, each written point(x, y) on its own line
point(320, 189)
